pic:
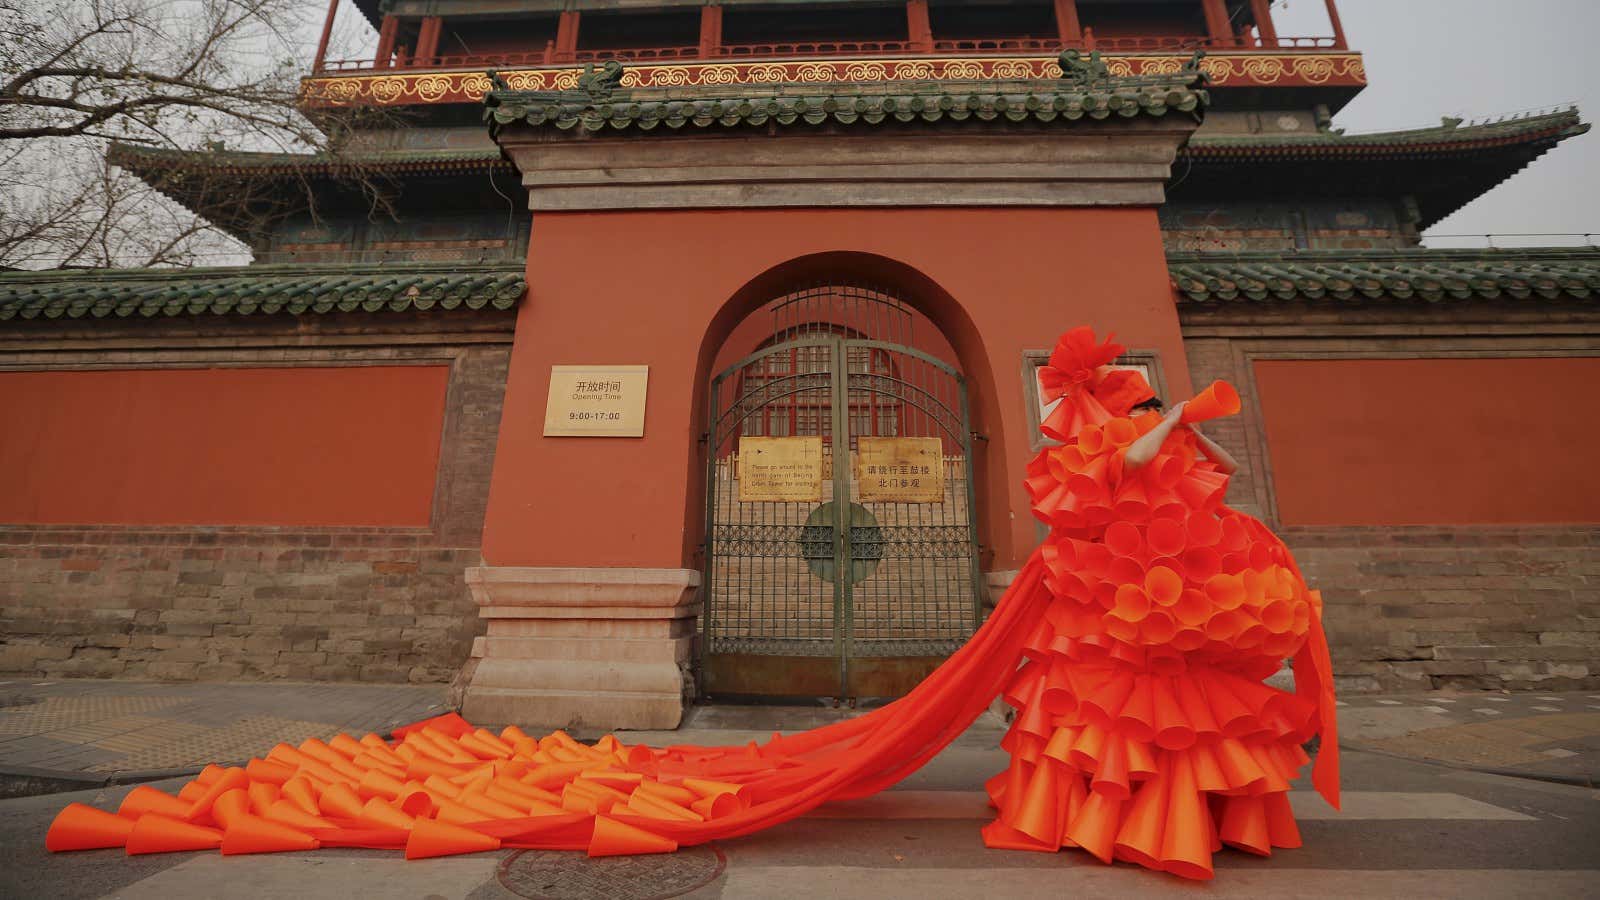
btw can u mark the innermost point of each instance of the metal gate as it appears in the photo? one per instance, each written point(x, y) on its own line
point(846, 593)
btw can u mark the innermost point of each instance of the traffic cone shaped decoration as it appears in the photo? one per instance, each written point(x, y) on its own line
point(146, 799)
point(154, 833)
point(80, 827)
point(286, 813)
point(1216, 401)
point(252, 834)
point(613, 838)
point(429, 838)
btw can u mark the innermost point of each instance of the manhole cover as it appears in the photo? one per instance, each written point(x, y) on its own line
point(557, 875)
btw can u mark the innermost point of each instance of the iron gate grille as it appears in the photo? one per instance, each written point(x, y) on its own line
point(852, 579)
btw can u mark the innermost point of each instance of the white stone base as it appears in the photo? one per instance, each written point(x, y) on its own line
point(586, 649)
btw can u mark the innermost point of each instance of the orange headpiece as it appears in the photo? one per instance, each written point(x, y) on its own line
point(1078, 374)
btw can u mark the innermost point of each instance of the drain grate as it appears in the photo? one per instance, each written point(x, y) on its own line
point(557, 875)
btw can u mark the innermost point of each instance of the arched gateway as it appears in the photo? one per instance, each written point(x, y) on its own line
point(841, 547)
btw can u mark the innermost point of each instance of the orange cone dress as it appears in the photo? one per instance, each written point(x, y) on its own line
point(1132, 644)
point(1143, 730)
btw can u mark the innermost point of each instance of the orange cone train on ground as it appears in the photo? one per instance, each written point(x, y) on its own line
point(1133, 645)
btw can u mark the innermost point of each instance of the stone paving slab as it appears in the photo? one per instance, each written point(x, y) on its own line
point(1540, 735)
point(106, 727)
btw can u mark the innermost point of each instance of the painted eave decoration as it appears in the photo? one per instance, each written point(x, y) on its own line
point(258, 290)
point(1427, 276)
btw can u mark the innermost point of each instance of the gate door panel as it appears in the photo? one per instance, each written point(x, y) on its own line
point(856, 574)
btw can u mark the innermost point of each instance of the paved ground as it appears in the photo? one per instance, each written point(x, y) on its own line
point(1543, 735)
point(85, 727)
point(1408, 830)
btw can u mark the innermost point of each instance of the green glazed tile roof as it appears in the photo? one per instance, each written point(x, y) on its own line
point(645, 109)
point(258, 290)
point(1450, 136)
point(155, 159)
point(1398, 276)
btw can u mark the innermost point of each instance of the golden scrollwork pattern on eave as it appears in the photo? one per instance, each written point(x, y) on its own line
point(1225, 71)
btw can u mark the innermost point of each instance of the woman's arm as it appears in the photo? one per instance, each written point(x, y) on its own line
point(1145, 448)
point(1215, 453)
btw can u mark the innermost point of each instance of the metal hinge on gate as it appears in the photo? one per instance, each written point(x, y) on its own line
point(979, 436)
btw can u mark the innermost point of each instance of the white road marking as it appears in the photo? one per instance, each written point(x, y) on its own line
point(1390, 702)
point(1498, 699)
point(1487, 711)
point(1436, 709)
point(1079, 873)
point(1552, 699)
point(1548, 708)
point(1559, 753)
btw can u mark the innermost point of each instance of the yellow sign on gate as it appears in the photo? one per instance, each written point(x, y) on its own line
point(900, 469)
point(780, 469)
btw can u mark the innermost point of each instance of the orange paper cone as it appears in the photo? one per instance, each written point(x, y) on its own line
point(262, 795)
point(286, 812)
point(80, 827)
point(229, 807)
point(1139, 839)
point(380, 814)
point(261, 770)
point(1216, 401)
point(340, 801)
point(253, 834)
point(146, 799)
point(430, 838)
point(302, 793)
point(1244, 825)
point(613, 838)
point(1094, 828)
point(154, 833)
point(231, 779)
point(1186, 839)
point(1281, 826)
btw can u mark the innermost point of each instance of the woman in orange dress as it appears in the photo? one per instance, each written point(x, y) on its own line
point(1143, 729)
point(1133, 644)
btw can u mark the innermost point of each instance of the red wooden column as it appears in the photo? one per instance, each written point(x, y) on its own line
point(1217, 27)
point(428, 40)
point(1338, 27)
point(567, 34)
point(327, 32)
point(710, 30)
point(1068, 27)
point(386, 33)
point(919, 29)
point(1263, 14)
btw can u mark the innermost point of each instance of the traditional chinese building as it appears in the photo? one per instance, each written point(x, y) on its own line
point(694, 354)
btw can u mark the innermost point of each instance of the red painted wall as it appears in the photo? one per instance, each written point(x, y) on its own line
point(271, 446)
point(1432, 441)
point(996, 282)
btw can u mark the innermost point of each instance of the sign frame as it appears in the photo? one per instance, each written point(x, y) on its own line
point(621, 410)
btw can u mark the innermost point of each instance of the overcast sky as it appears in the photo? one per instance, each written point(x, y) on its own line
point(1478, 59)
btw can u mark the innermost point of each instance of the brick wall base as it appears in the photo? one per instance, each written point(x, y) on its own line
point(231, 604)
point(1420, 608)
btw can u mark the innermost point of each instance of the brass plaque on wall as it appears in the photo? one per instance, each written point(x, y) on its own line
point(782, 469)
point(596, 401)
point(900, 469)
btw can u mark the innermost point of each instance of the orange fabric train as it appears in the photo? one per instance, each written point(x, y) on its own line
point(1133, 644)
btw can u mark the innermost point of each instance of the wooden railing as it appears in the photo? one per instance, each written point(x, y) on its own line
point(549, 56)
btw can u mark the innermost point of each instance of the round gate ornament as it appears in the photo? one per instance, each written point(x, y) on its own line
point(817, 546)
